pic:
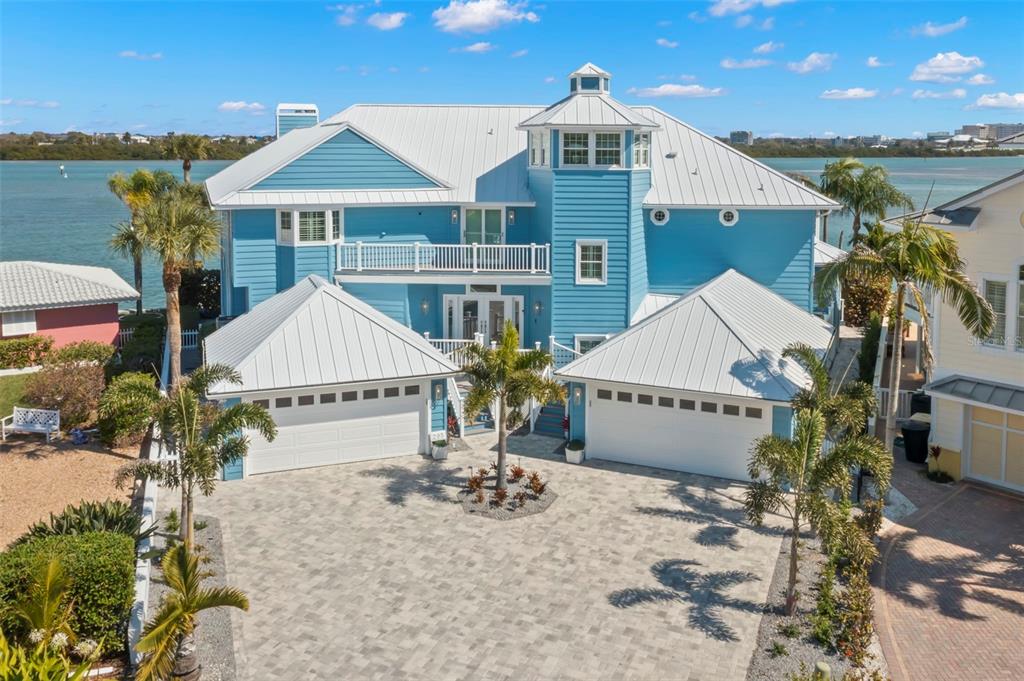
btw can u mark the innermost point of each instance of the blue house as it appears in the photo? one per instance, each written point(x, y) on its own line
point(574, 220)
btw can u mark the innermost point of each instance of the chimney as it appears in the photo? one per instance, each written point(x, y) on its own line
point(291, 116)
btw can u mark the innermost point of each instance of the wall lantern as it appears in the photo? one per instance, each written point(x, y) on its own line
point(511, 216)
point(455, 216)
point(438, 391)
point(424, 306)
point(538, 307)
point(577, 395)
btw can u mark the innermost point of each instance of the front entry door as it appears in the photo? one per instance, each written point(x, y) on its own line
point(484, 314)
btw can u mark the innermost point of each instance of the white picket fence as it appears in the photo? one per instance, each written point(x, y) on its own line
point(189, 338)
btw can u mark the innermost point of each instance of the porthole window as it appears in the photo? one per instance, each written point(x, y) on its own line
point(659, 216)
point(728, 216)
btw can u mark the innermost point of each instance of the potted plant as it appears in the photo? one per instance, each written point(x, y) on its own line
point(439, 447)
point(574, 451)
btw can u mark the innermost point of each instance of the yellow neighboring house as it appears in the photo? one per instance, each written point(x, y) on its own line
point(977, 385)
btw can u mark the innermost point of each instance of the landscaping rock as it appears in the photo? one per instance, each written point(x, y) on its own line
point(510, 509)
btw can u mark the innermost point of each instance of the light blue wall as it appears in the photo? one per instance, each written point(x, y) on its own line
point(541, 186)
point(254, 257)
point(639, 185)
point(346, 161)
point(772, 247)
point(288, 123)
point(439, 407)
point(403, 224)
point(233, 470)
point(391, 299)
point(782, 421)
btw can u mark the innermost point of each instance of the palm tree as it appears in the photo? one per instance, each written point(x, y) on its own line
point(181, 231)
point(188, 148)
point(800, 478)
point(168, 640)
point(863, 190)
point(136, 191)
point(201, 437)
point(509, 377)
point(915, 258)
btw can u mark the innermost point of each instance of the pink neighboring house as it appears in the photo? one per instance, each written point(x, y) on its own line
point(68, 302)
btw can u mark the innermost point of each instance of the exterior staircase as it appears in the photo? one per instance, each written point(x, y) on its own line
point(549, 422)
point(483, 421)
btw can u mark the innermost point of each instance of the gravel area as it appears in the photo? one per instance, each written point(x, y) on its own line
point(510, 509)
point(57, 474)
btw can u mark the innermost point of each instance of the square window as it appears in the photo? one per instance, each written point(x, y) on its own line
point(391, 392)
point(585, 344)
point(18, 323)
point(689, 405)
point(995, 294)
point(644, 399)
point(282, 402)
point(666, 402)
point(412, 390)
point(312, 225)
point(731, 409)
point(286, 220)
point(262, 403)
point(336, 225)
point(604, 394)
point(709, 407)
point(642, 150)
point(328, 398)
point(752, 412)
point(607, 149)
point(624, 397)
point(590, 262)
point(305, 400)
point(371, 394)
point(575, 148)
point(350, 396)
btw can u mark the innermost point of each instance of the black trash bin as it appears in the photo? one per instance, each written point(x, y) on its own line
point(920, 403)
point(915, 440)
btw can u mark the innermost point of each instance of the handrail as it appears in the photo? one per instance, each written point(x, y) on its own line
point(561, 354)
point(426, 257)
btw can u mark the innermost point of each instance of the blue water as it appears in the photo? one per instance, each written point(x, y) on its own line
point(45, 217)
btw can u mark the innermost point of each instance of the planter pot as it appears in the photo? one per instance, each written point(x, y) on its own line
point(574, 455)
point(439, 453)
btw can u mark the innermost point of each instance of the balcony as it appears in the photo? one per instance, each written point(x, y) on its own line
point(443, 263)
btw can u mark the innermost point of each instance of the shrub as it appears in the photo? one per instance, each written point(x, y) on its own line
point(38, 663)
point(145, 349)
point(200, 288)
point(536, 485)
point(101, 569)
point(870, 518)
point(499, 496)
point(89, 351)
point(520, 498)
point(90, 516)
point(861, 297)
point(475, 482)
point(855, 624)
point(24, 351)
point(789, 630)
point(479, 496)
point(869, 348)
point(516, 473)
point(824, 616)
point(126, 409)
point(74, 390)
point(777, 650)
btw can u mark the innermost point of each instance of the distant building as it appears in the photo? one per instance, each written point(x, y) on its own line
point(139, 139)
point(976, 130)
point(741, 137)
point(1001, 130)
point(941, 135)
point(1011, 142)
point(963, 141)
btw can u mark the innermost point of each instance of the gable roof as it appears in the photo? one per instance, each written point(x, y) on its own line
point(590, 69)
point(725, 337)
point(959, 213)
point(317, 334)
point(31, 285)
point(824, 252)
point(650, 304)
point(588, 110)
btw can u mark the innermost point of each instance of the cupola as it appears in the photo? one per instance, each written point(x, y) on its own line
point(589, 80)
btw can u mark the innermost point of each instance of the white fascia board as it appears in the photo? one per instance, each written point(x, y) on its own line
point(325, 386)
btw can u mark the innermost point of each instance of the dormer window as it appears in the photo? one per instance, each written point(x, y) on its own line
point(642, 150)
point(540, 148)
point(575, 146)
point(608, 148)
point(310, 227)
point(592, 149)
point(590, 83)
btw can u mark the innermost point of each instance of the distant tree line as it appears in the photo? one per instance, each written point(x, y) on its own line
point(79, 146)
point(809, 150)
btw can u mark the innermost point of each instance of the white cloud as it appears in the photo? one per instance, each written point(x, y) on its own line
point(475, 48)
point(254, 108)
point(33, 103)
point(897, 91)
point(776, 135)
point(945, 67)
point(744, 20)
point(519, 53)
point(5, 101)
point(8, 122)
point(829, 133)
point(696, 17)
point(140, 56)
point(935, 30)
point(767, 25)
point(686, 77)
point(730, 63)
point(387, 21)
point(768, 47)
point(481, 16)
point(876, 63)
point(346, 13)
point(549, 79)
point(849, 93)
point(676, 90)
point(665, 42)
point(957, 93)
point(815, 61)
point(1000, 100)
point(980, 79)
point(721, 8)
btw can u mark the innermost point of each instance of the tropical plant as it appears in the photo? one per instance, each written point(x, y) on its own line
point(24, 351)
point(91, 516)
point(201, 437)
point(181, 231)
point(127, 408)
point(915, 259)
point(511, 378)
point(187, 148)
point(168, 640)
point(86, 351)
point(863, 190)
point(136, 191)
point(45, 608)
point(39, 663)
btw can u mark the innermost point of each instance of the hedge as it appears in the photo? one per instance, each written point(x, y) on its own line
point(89, 351)
point(24, 351)
point(101, 568)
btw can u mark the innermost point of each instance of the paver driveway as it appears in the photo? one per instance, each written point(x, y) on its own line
point(369, 571)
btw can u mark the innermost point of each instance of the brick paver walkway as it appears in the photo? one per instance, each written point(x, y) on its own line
point(370, 571)
point(950, 584)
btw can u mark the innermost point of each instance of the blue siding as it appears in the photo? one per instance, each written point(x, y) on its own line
point(314, 260)
point(346, 161)
point(782, 421)
point(402, 224)
point(541, 185)
point(536, 326)
point(439, 407)
point(639, 185)
point(391, 299)
point(288, 123)
point(233, 469)
point(589, 205)
point(772, 247)
point(254, 257)
point(577, 411)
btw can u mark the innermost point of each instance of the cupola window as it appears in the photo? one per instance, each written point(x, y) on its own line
point(540, 144)
point(575, 147)
point(590, 83)
point(608, 149)
point(642, 150)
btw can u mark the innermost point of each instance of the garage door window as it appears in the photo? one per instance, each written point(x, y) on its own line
point(689, 405)
point(645, 399)
point(371, 394)
point(391, 392)
point(709, 407)
point(305, 400)
point(730, 410)
point(624, 397)
point(666, 402)
point(753, 412)
point(328, 398)
point(262, 403)
point(412, 390)
point(604, 394)
point(349, 396)
point(282, 402)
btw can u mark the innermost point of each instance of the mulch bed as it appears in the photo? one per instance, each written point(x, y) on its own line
point(531, 505)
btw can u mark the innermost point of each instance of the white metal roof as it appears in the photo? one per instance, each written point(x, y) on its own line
point(589, 110)
point(650, 304)
point(590, 69)
point(689, 168)
point(725, 337)
point(824, 252)
point(30, 285)
point(317, 334)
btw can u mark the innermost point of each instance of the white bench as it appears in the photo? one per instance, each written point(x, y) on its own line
point(25, 420)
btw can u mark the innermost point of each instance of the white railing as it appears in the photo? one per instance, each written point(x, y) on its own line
point(434, 258)
point(560, 354)
point(535, 406)
point(455, 397)
point(902, 409)
point(189, 338)
point(454, 348)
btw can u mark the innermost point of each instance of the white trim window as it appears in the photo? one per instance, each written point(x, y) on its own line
point(585, 342)
point(995, 293)
point(576, 149)
point(337, 224)
point(540, 148)
point(642, 150)
point(608, 149)
point(20, 323)
point(310, 227)
point(592, 261)
point(1019, 331)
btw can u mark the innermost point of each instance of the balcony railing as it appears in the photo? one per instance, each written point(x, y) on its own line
point(443, 258)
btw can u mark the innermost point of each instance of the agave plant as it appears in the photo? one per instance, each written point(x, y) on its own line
point(91, 516)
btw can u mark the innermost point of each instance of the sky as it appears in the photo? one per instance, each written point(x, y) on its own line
point(776, 67)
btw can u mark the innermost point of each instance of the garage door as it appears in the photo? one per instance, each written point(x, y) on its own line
point(709, 436)
point(350, 426)
point(997, 447)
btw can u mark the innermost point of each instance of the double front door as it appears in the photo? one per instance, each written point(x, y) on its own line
point(470, 314)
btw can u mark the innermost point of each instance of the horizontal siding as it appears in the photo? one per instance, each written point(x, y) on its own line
point(391, 299)
point(288, 123)
point(346, 161)
point(254, 254)
point(640, 183)
point(317, 260)
point(401, 224)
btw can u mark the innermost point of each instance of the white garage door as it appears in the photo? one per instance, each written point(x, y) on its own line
point(357, 425)
point(710, 436)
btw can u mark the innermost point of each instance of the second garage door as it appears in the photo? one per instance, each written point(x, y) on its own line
point(997, 447)
point(706, 436)
point(370, 426)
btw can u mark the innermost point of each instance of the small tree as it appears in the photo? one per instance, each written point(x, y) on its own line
point(187, 148)
point(168, 639)
point(863, 190)
point(201, 437)
point(127, 408)
point(511, 378)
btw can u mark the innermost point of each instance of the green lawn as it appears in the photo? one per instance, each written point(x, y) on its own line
point(12, 391)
